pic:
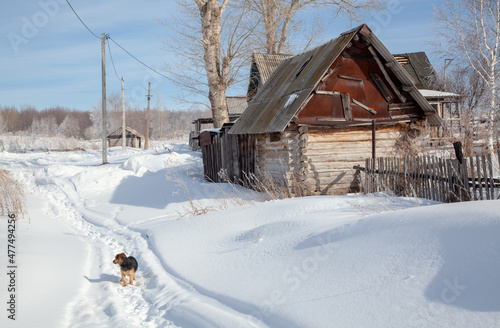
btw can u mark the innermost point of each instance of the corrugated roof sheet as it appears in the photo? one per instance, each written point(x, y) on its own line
point(418, 66)
point(266, 64)
point(296, 77)
point(236, 105)
point(287, 89)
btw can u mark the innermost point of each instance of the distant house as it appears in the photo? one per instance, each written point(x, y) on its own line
point(446, 104)
point(235, 107)
point(133, 138)
point(263, 65)
point(314, 119)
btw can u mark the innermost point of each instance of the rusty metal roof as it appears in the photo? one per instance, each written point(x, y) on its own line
point(290, 85)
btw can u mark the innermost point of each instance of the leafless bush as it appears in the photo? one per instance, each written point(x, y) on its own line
point(12, 197)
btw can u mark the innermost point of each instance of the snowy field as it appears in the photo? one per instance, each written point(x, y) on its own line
point(351, 261)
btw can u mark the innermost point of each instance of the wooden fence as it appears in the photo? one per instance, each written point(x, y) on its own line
point(227, 157)
point(434, 178)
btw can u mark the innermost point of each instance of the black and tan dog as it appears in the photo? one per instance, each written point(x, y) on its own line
point(128, 266)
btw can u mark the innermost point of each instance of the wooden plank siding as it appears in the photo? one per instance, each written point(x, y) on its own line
point(228, 158)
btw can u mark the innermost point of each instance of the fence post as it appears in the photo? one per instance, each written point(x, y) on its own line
point(490, 169)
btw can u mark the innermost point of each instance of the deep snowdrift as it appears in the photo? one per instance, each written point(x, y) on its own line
point(352, 261)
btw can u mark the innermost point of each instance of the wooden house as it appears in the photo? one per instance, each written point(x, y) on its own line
point(446, 104)
point(263, 65)
point(323, 112)
point(235, 107)
point(133, 138)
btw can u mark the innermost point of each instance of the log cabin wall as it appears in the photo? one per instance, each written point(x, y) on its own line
point(278, 156)
point(329, 155)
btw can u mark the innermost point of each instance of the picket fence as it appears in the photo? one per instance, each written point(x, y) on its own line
point(434, 178)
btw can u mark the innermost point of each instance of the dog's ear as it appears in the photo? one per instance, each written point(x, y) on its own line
point(122, 255)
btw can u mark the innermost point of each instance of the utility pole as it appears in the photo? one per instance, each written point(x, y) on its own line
point(124, 134)
point(447, 63)
point(147, 118)
point(103, 68)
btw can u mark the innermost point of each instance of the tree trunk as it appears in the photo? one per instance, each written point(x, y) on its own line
point(210, 14)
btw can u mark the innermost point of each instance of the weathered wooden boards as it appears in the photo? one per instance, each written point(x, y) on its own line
point(229, 157)
point(434, 178)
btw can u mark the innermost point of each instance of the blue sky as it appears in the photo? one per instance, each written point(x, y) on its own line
point(48, 58)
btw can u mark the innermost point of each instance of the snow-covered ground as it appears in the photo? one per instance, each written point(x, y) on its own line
point(351, 261)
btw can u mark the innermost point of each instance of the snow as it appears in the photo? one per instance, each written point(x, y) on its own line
point(290, 100)
point(435, 93)
point(325, 261)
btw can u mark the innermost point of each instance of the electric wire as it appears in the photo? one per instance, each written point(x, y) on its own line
point(141, 62)
point(69, 4)
point(112, 62)
point(126, 51)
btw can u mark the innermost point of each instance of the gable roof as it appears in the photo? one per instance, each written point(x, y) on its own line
point(289, 87)
point(418, 66)
point(266, 64)
point(118, 132)
point(236, 105)
point(263, 65)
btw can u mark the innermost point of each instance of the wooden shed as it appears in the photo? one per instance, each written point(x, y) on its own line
point(134, 138)
point(323, 112)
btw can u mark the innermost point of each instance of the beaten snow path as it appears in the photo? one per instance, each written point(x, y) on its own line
point(74, 222)
point(339, 261)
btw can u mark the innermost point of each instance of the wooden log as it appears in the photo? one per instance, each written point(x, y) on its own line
point(348, 174)
point(330, 72)
point(381, 134)
point(360, 104)
point(346, 106)
point(402, 106)
point(386, 93)
point(304, 136)
point(303, 129)
point(327, 93)
point(351, 78)
point(345, 165)
point(330, 119)
point(386, 75)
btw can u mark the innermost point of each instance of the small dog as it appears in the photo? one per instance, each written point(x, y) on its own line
point(128, 266)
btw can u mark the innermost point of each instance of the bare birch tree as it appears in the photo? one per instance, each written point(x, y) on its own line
point(215, 34)
point(278, 16)
point(469, 30)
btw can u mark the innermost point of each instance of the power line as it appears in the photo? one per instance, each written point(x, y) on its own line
point(69, 4)
point(137, 59)
point(134, 57)
point(112, 62)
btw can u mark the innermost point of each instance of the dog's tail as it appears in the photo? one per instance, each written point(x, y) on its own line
point(134, 263)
